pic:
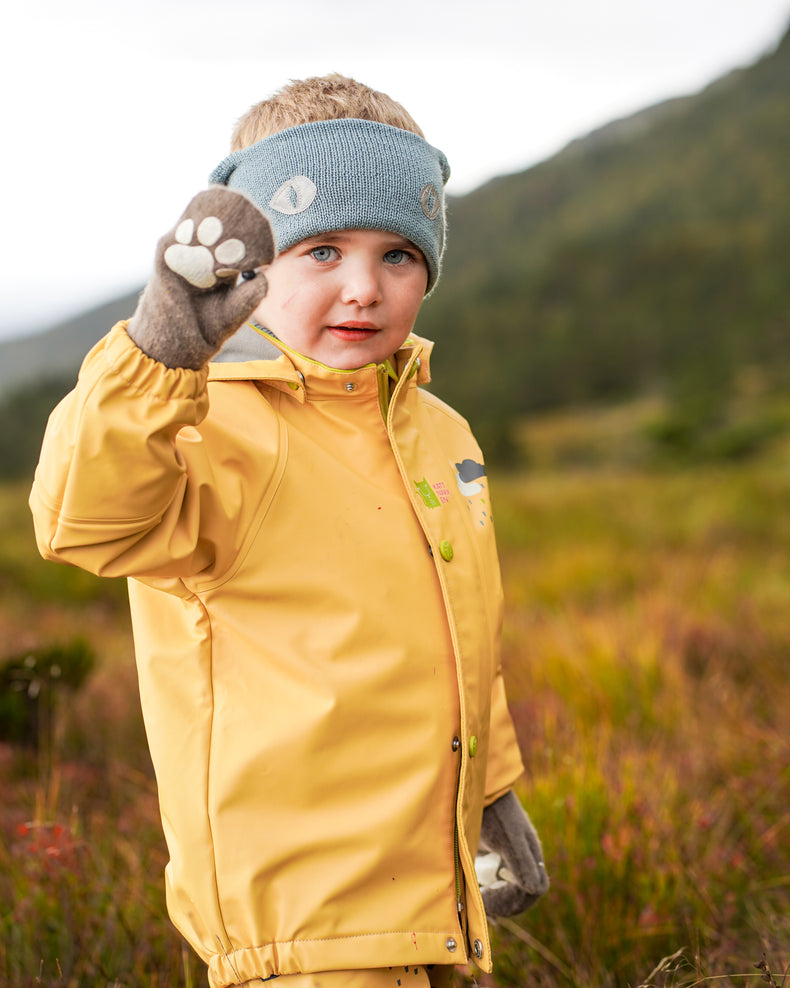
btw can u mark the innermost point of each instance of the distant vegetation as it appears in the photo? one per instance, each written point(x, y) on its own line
point(649, 258)
point(23, 415)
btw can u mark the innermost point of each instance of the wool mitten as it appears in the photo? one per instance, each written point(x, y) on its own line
point(195, 299)
point(510, 865)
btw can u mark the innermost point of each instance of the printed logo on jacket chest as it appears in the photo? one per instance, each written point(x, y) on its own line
point(434, 495)
point(470, 478)
point(473, 485)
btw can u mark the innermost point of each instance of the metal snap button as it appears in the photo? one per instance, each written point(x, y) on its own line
point(478, 949)
point(456, 744)
point(350, 386)
point(451, 944)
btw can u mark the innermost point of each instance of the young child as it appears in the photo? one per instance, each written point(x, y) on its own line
point(314, 583)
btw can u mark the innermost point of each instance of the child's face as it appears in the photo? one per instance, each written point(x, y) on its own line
point(346, 298)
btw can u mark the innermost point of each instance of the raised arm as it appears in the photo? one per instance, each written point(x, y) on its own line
point(113, 493)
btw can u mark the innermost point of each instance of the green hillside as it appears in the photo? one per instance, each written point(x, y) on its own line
point(647, 260)
point(650, 257)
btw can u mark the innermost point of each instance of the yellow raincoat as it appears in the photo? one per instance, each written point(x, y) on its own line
point(316, 606)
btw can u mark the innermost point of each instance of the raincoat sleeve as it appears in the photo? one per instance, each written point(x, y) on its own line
point(504, 757)
point(112, 492)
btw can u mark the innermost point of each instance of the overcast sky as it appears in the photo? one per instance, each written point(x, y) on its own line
point(115, 112)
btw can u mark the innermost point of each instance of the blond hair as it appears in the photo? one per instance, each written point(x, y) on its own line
point(330, 97)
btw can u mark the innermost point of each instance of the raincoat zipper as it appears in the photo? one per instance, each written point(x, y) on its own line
point(459, 906)
point(384, 374)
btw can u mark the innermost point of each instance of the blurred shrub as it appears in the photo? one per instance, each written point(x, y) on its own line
point(31, 684)
point(23, 417)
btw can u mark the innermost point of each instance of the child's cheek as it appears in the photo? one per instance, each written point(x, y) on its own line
point(304, 297)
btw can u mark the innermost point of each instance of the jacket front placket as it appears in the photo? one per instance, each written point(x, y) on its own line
point(447, 530)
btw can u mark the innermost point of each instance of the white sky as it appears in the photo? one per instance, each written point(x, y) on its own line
point(115, 112)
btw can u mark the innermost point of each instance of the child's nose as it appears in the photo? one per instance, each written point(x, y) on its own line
point(361, 284)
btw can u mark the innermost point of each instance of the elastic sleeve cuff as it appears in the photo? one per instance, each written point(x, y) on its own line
point(146, 375)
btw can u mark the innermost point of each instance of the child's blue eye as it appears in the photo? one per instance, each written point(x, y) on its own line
point(396, 256)
point(323, 253)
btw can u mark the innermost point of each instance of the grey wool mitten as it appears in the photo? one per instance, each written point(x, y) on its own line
point(510, 865)
point(195, 299)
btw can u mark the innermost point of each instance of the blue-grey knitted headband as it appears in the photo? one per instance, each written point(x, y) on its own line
point(345, 175)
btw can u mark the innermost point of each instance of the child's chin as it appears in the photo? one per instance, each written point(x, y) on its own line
point(349, 365)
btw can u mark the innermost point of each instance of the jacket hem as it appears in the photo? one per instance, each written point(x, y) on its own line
point(369, 950)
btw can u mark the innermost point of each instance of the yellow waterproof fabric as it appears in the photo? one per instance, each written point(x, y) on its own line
point(392, 977)
point(316, 607)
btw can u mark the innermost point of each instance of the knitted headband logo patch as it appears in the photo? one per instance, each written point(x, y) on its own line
point(431, 201)
point(294, 196)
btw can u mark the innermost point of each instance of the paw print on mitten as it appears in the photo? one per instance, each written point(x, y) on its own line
point(195, 300)
point(220, 234)
point(196, 262)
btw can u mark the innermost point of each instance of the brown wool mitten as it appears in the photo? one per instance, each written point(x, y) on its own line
point(510, 865)
point(195, 299)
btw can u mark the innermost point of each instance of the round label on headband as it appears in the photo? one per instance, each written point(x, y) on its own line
point(431, 201)
point(294, 195)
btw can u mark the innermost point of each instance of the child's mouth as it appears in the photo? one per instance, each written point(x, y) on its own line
point(354, 331)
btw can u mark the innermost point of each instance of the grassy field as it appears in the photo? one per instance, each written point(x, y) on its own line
point(647, 650)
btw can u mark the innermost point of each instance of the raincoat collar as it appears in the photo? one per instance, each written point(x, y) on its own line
point(254, 355)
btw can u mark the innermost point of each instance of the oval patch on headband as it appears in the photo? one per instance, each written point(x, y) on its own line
point(294, 195)
point(431, 201)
